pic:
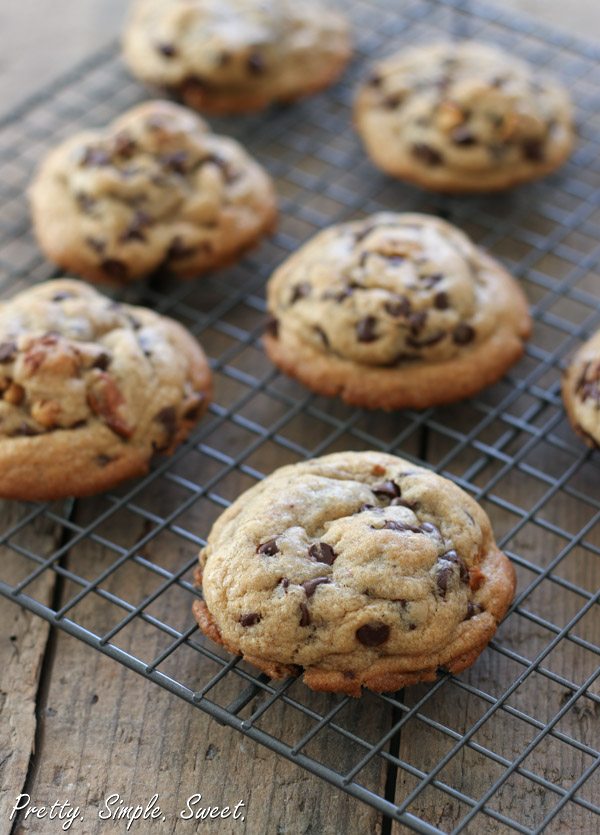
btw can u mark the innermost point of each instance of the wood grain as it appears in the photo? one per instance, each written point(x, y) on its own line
point(23, 641)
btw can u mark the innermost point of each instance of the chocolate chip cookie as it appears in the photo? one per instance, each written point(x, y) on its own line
point(358, 568)
point(231, 56)
point(155, 189)
point(395, 311)
point(89, 390)
point(581, 391)
point(463, 117)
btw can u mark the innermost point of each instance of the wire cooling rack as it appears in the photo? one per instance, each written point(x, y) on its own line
point(512, 744)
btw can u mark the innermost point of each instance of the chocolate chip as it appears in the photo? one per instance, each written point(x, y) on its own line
point(175, 161)
point(123, 145)
point(322, 552)
point(135, 323)
point(135, 230)
point(426, 154)
point(168, 418)
point(393, 101)
point(338, 295)
point(269, 549)
point(463, 136)
point(395, 259)
point(364, 507)
point(386, 490)
point(398, 307)
point(85, 202)
point(8, 351)
point(373, 634)
point(104, 460)
point(224, 58)
point(166, 49)
point(178, 250)
point(255, 64)
point(251, 619)
point(442, 577)
point(441, 301)
point(365, 329)
point(430, 281)
point(310, 586)
point(403, 503)
point(401, 527)
point(300, 291)
point(115, 269)
point(417, 322)
point(272, 326)
point(63, 296)
point(427, 527)
point(374, 80)
point(284, 583)
point(322, 335)
point(463, 334)
point(97, 244)
point(93, 157)
point(427, 341)
point(472, 610)
point(304, 615)
point(102, 361)
point(25, 430)
point(533, 150)
point(453, 557)
point(192, 84)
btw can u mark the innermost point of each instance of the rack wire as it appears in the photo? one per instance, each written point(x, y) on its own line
point(526, 716)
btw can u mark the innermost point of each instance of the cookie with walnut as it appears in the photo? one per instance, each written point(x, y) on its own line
point(358, 569)
point(581, 391)
point(90, 389)
point(232, 56)
point(155, 189)
point(463, 117)
point(395, 311)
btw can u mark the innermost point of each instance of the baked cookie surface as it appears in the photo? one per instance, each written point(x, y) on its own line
point(229, 56)
point(89, 390)
point(359, 568)
point(155, 189)
point(395, 311)
point(581, 391)
point(463, 117)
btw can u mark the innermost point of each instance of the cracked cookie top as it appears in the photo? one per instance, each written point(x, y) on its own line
point(345, 560)
point(103, 383)
point(463, 116)
point(230, 55)
point(581, 391)
point(389, 290)
point(156, 188)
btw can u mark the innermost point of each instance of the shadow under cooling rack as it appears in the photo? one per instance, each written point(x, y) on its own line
point(511, 744)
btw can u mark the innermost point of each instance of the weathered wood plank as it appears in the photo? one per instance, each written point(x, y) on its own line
point(23, 640)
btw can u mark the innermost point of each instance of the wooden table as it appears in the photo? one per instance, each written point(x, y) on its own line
point(75, 725)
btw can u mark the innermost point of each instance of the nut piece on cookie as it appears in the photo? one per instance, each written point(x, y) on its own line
point(463, 117)
point(232, 56)
point(90, 389)
point(581, 391)
point(395, 311)
point(359, 569)
point(155, 189)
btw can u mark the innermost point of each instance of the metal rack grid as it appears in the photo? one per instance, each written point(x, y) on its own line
point(511, 448)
